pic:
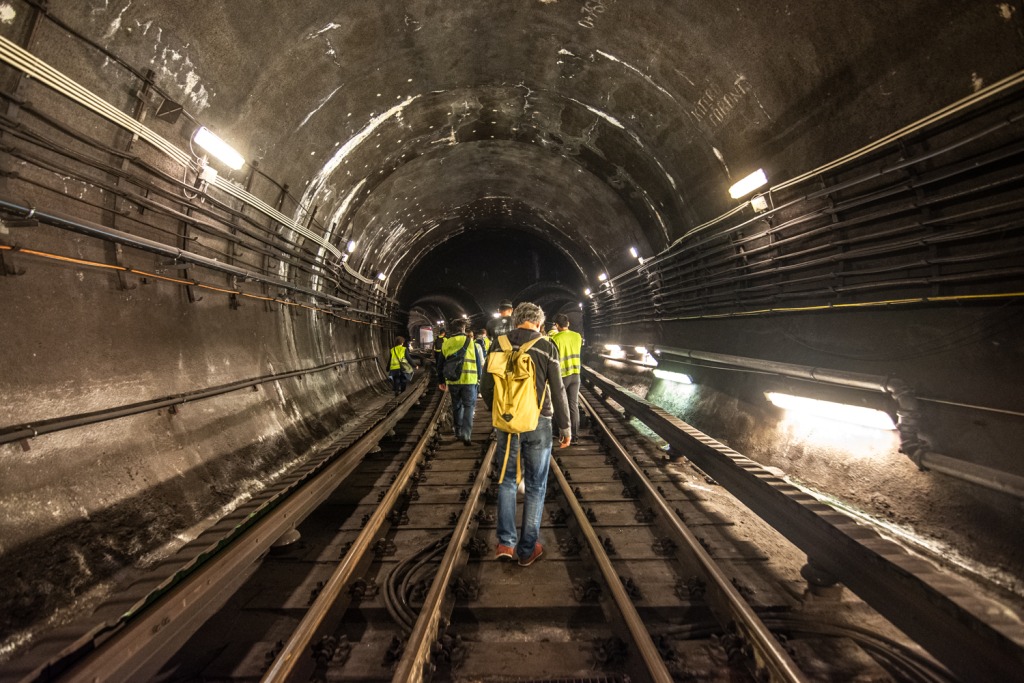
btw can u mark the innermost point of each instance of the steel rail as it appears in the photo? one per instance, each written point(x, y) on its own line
point(648, 651)
point(768, 652)
point(415, 664)
point(975, 637)
point(152, 633)
point(285, 662)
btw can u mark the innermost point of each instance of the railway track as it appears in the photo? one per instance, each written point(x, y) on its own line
point(647, 575)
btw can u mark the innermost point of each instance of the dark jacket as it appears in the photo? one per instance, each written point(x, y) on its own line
point(545, 360)
point(498, 326)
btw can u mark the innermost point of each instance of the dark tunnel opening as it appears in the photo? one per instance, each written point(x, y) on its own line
point(472, 272)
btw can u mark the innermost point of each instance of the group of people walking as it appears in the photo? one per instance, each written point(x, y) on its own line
point(556, 366)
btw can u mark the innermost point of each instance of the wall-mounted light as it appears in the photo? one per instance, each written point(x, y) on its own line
point(640, 350)
point(748, 184)
point(218, 148)
point(586, 291)
point(581, 305)
point(602, 277)
point(440, 322)
point(633, 252)
point(859, 415)
point(351, 246)
point(381, 276)
point(670, 376)
point(495, 315)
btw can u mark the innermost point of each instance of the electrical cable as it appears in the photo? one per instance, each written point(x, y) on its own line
point(180, 281)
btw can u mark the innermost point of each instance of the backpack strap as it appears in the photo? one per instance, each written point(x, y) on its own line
point(504, 343)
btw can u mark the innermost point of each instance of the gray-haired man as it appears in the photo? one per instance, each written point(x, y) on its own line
point(535, 446)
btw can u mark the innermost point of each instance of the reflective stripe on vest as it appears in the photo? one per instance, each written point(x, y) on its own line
point(454, 344)
point(569, 344)
point(396, 358)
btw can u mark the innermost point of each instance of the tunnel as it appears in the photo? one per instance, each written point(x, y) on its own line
point(180, 326)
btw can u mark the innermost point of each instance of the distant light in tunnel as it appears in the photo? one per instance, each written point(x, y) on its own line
point(748, 184)
point(633, 252)
point(218, 148)
point(581, 305)
point(351, 246)
point(587, 291)
point(859, 415)
point(640, 350)
point(381, 276)
point(602, 277)
point(495, 315)
point(670, 376)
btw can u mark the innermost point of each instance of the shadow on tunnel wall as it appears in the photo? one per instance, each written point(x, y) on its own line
point(53, 571)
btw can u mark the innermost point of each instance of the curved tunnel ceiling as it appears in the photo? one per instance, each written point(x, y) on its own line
point(597, 125)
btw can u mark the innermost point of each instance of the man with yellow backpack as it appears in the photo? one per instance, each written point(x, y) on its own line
point(570, 347)
point(523, 388)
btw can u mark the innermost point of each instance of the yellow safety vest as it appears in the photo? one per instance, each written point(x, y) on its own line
point(486, 343)
point(453, 344)
point(570, 345)
point(397, 354)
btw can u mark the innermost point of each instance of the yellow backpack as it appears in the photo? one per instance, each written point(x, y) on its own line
point(515, 408)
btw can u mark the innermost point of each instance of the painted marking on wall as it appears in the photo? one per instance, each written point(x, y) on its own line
point(591, 11)
point(715, 105)
point(7, 13)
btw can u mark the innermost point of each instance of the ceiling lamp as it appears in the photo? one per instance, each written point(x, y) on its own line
point(218, 148)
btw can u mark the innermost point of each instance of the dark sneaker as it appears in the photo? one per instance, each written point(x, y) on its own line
point(538, 550)
point(503, 552)
point(467, 442)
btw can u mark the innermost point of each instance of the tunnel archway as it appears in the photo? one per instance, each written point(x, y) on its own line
point(518, 150)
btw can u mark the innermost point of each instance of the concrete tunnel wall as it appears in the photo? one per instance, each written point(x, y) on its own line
point(418, 130)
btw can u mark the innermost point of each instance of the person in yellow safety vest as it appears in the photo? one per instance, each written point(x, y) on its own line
point(570, 346)
point(463, 391)
point(483, 340)
point(399, 367)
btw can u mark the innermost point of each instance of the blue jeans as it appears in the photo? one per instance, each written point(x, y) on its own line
point(463, 398)
point(535, 456)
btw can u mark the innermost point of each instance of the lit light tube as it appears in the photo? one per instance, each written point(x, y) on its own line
point(633, 252)
point(586, 291)
point(602, 277)
point(351, 246)
point(218, 148)
point(381, 276)
point(859, 415)
point(748, 184)
point(670, 376)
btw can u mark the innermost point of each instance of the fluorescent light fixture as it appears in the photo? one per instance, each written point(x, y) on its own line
point(669, 376)
point(748, 184)
point(465, 316)
point(440, 322)
point(640, 350)
point(581, 305)
point(602, 277)
point(859, 415)
point(495, 315)
point(633, 252)
point(612, 348)
point(587, 291)
point(381, 276)
point(218, 148)
point(351, 246)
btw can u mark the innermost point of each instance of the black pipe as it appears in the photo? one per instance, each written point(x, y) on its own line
point(56, 424)
point(111, 235)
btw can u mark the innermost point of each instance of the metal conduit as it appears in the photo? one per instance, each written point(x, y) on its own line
point(23, 60)
point(907, 411)
point(85, 227)
point(56, 424)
